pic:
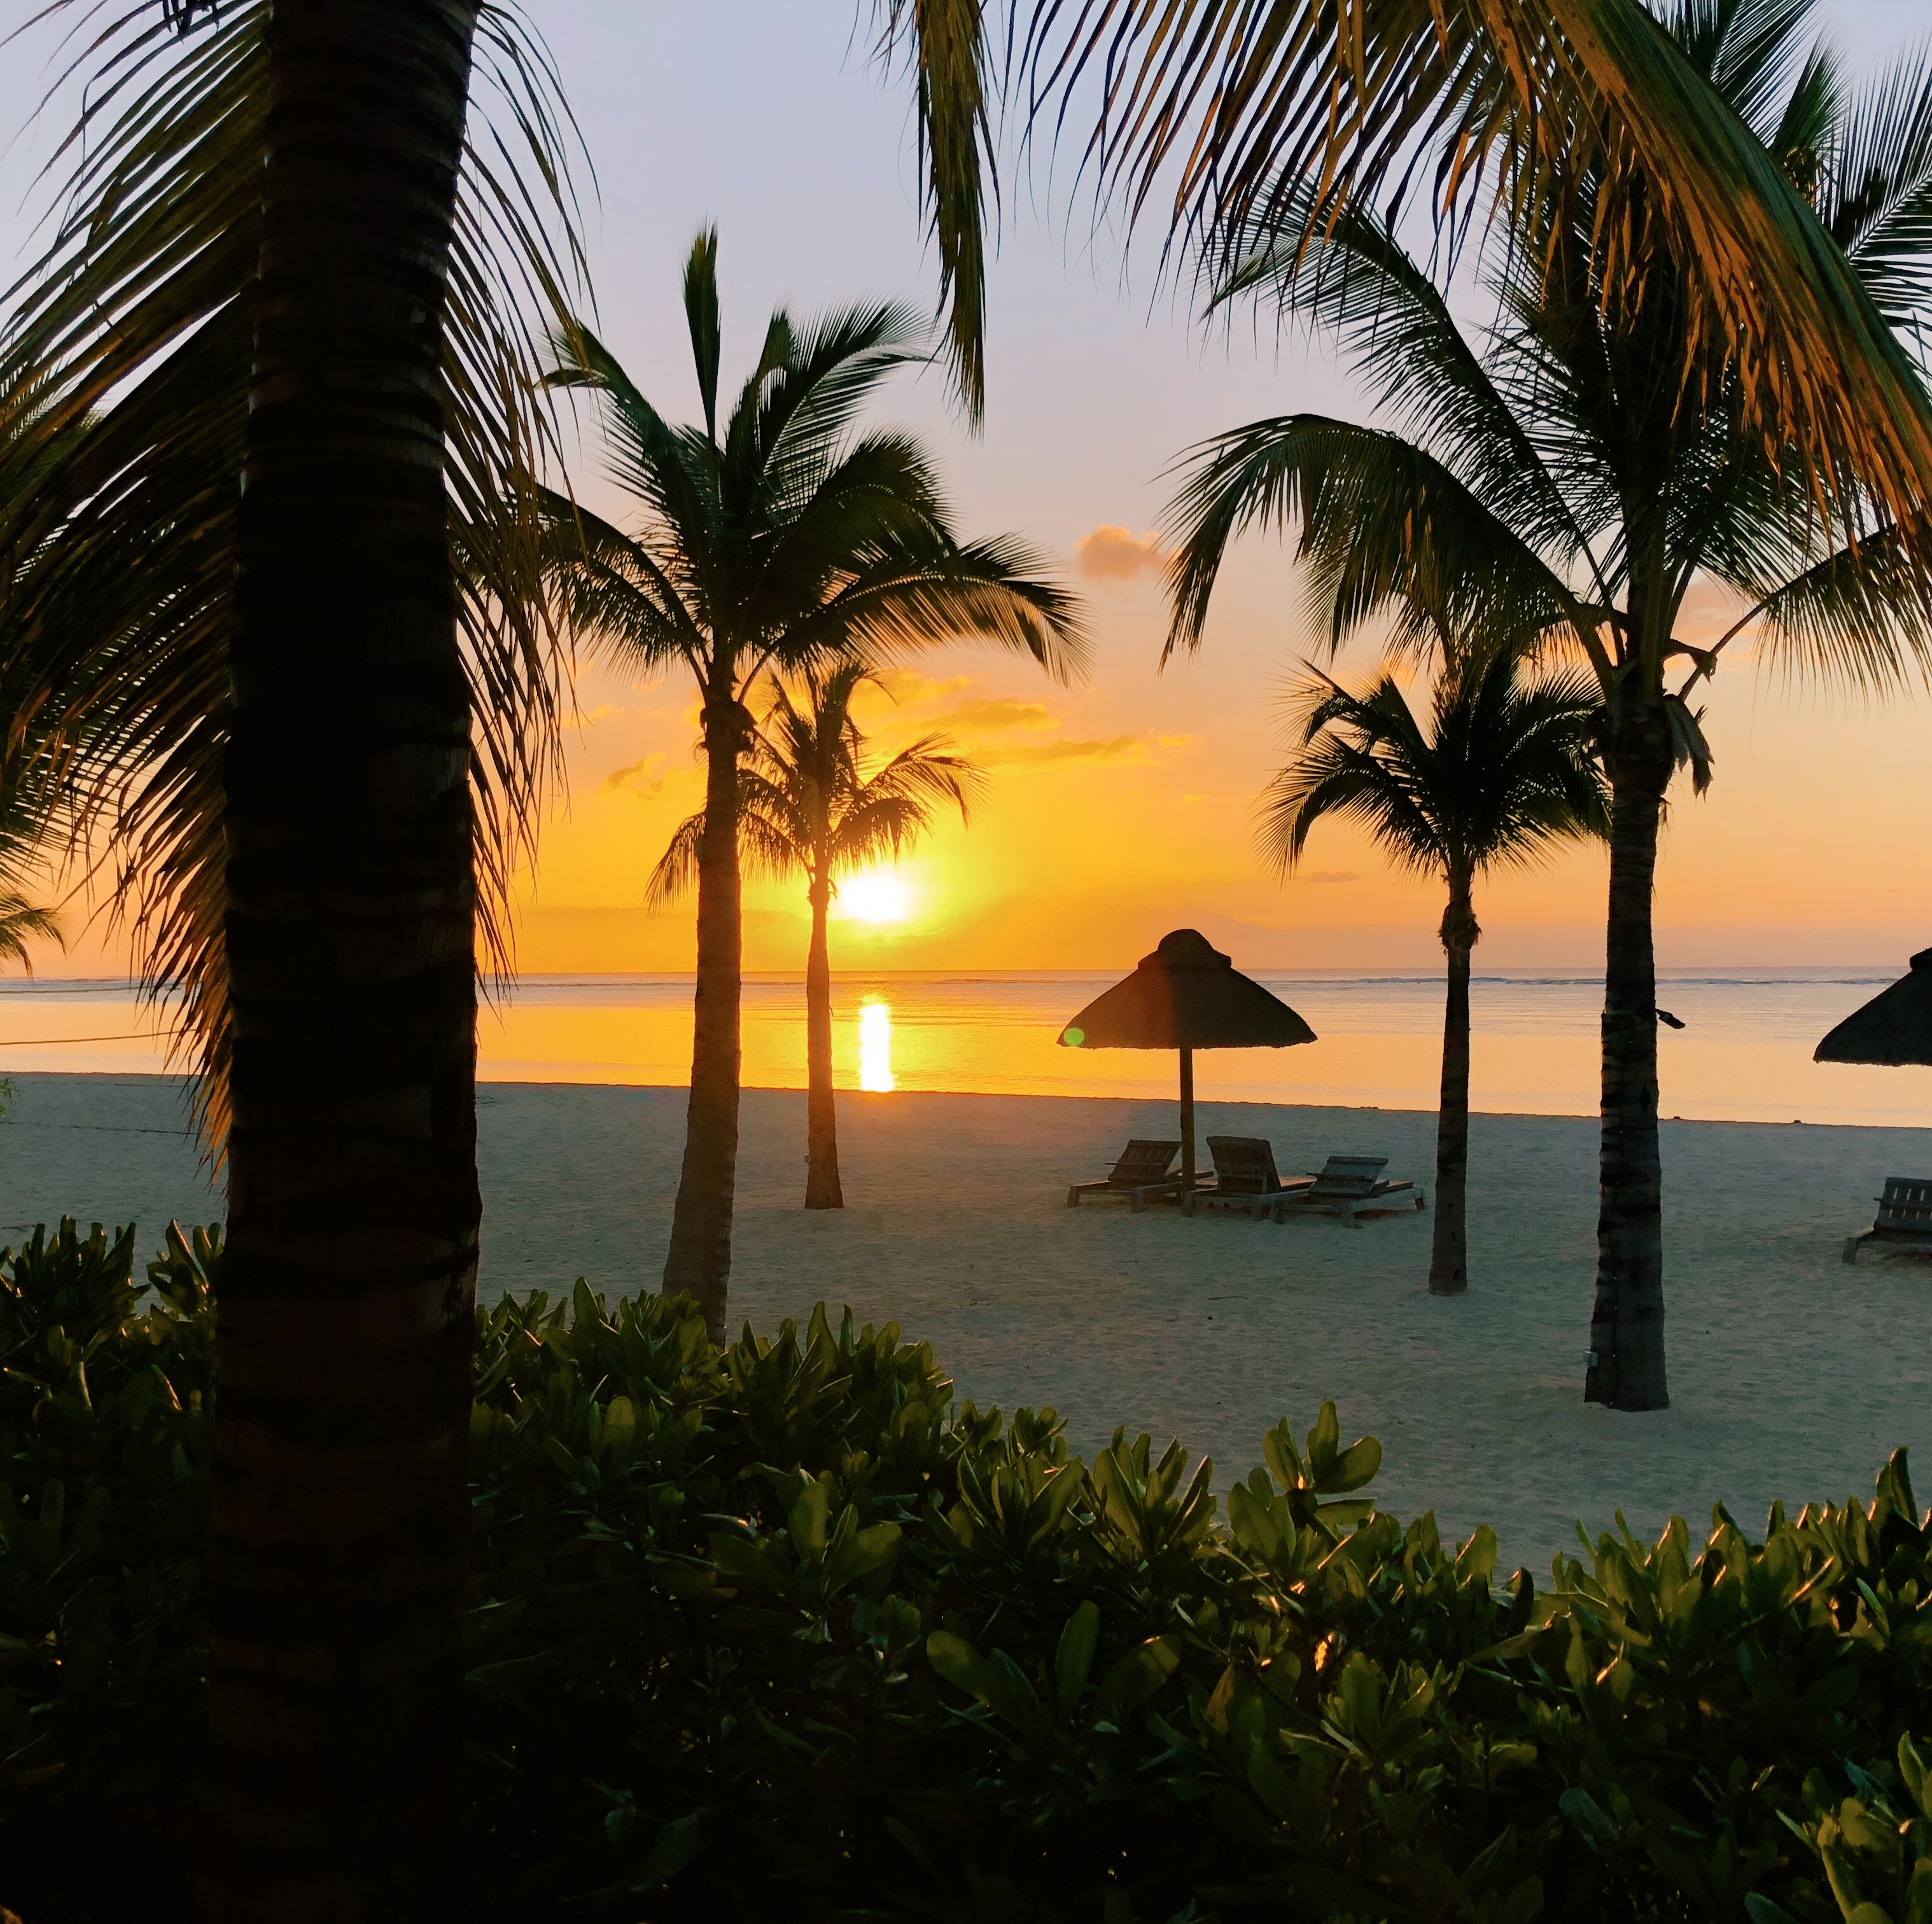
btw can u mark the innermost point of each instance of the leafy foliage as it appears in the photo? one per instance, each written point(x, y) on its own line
point(1548, 483)
point(1502, 771)
point(807, 804)
point(107, 1448)
point(777, 1630)
point(780, 537)
point(1476, 111)
point(124, 365)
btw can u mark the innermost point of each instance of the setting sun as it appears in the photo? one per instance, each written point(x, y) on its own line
point(880, 897)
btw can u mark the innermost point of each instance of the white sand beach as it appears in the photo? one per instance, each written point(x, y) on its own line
point(1792, 1376)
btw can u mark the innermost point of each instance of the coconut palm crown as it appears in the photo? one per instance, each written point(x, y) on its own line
point(776, 538)
point(1209, 113)
point(809, 807)
point(1547, 484)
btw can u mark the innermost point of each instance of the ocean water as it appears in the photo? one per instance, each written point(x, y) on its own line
point(1744, 1054)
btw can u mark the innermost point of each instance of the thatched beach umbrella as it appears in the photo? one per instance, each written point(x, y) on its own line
point(1186, 996)
point(1894, 1028)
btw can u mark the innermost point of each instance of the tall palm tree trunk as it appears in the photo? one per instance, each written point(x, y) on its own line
point(1626, 1368)
point(698, 1264)
point(822, 1187)
point(341, 1503)
point(1449, 1253)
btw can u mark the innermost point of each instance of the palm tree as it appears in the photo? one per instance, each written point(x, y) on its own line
point(807, 807)
point(1462, 110)
point(308, 714)
point(1500, 776)
point(124, 382)
point(778, 539)
point(1551, 483)
point(350, 899)
point(21, 919)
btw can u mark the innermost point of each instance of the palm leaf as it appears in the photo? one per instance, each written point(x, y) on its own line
point(1384, 527)
point(133, 331)
point(946, 44)
point(1481, 105)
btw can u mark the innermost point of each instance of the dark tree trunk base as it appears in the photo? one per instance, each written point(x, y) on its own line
point(823, 1188)
point(341, 1512)
point(1449, 1256)
point(1626, 1366)
point(698, 1263)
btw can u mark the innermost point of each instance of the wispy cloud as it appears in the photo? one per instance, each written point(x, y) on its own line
point(1113, 750)
point(1118, 554)
point(1326, 875)
point(993, 714)
point(908, 685)
point(639, 779)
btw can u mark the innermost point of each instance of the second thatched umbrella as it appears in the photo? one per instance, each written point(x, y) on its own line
point(1186, 996)
point(1894, 1029)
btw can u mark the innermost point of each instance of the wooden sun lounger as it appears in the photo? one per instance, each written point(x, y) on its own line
point(1140, 1172)
point(1244, 1179)
point(1350, 1187)
point(1904, 1220)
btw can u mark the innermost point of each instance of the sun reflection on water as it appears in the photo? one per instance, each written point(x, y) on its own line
point(875, 1046)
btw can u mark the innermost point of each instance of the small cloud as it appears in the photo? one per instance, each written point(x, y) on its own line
point(1115, 751)
point(1118, 554)
point(1326, 875)
point(907, 685)
point(995, 714)
point(640, 779)
point(602, 712)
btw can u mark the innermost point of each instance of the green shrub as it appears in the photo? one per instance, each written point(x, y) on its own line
point(106, 1446)
point(779, 1631)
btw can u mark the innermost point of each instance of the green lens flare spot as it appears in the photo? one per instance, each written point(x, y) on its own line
point(1073, 1038)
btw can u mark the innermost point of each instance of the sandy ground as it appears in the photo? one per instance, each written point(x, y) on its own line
point(1792, 1375)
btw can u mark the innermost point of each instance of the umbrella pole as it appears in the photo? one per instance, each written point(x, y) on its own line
point(1186, 1120)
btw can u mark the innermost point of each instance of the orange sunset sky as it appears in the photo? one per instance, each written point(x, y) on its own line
point(1123, 805)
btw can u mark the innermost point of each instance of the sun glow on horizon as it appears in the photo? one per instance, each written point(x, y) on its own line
point(878, 897)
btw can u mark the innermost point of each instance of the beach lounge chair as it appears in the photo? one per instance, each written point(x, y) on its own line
point(1244, 1179)
point(1349, 1186)
point(1904, 1220)
point(1140, 1172)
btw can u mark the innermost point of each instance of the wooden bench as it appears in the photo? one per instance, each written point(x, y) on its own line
point(1140, 1172)
point(1350, 1187)
point(1244, 1179)
point(1904, 1220)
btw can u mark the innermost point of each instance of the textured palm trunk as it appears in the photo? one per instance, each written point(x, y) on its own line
point(699, 1261)
point(1626, 1367)
point(822, 1187)
point(1449, 1252)
point(341, 1503)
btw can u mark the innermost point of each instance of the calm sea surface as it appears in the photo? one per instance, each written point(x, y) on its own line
point(1744, 1054)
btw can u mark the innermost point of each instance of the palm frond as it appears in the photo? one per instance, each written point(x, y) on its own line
point(946, 44)
point(1344, 270)
point(1861, 615)
point(806, 406)
point(1501, 774)
point(1876, 197)
point(701, 308)
point(917, 593)
point(675, 873)
point(1494, 104)
point(21, 920)
point(134, 328)
point(1384, 527)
